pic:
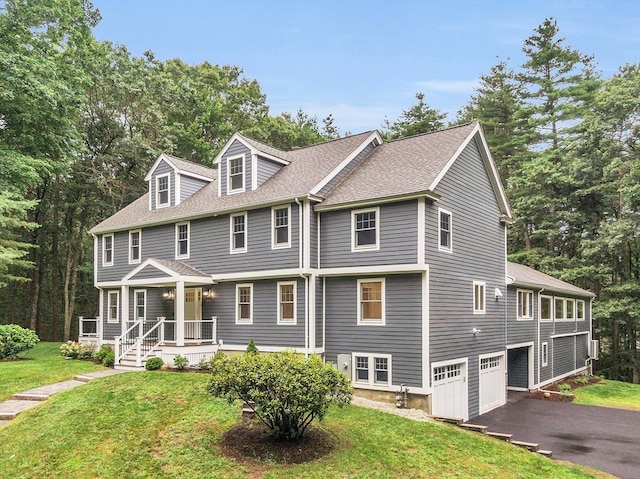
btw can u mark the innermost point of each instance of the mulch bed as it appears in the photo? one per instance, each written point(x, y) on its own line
point(249, 440)
point(573, 381)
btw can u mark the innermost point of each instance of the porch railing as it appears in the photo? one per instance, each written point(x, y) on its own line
point(195, 331)
point(149, 342)
point(89, 328)
point(125, 343)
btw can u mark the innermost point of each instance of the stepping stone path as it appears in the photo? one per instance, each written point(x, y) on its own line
point(20, 402)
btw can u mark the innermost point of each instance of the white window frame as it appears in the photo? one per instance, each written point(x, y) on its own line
point(230, 190)
point(132, 260)
point(563, 316)
point(551, 308)
point(354, 236)
point(168, 203)
point(372, 322)
point(544, 354)
point(104, 249)
point(371, 367)
point(482, 286)
point(288, 321)
point(570, 304)
point(580, 304)
point(178, 255)
point(233, 250)
point(136, 316)
point(449, 248)
point(274, 227)
point(527, 313)
point(240, 320)
point(110, 318)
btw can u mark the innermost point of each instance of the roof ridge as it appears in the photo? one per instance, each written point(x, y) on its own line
point(298, 148)
point(174, 157)
point(426, 133)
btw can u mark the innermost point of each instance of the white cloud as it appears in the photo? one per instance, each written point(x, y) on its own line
point(455, 86)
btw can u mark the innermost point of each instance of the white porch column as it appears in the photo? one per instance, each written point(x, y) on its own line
point(179, 299)
point(124, 313)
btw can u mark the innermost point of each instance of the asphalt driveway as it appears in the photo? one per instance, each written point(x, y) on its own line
point(604, 438)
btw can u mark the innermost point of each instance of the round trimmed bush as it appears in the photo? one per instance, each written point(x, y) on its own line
point(153, 363)
point(15, 340)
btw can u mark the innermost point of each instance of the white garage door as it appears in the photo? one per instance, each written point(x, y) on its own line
point(450, 391)
point(492, 388)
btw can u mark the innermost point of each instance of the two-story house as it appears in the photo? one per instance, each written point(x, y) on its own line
point(387, 259)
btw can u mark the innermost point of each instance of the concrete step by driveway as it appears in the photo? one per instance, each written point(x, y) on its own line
point(43, 392)
point(11, 408)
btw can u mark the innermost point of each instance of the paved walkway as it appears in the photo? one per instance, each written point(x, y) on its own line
point(20, 402)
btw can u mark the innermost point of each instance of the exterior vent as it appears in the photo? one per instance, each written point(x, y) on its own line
point(594, 349)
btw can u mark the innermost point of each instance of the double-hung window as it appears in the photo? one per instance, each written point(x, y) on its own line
point(140, 304)
point(182, 240)
point(546, 308)
point(135, 245)
point(372, 369)
point(580, 310)
point(560, 304)
point(287, 302)
point(371, 301)
point(107, 250)
point(281, 231)
point(244, 304)
point(525, 304)
point(444, 231)
point(571, 306)
point(235, 174)
point(113, 306)
point(479, 297)
point(238, 229)
point(162, 190)
point(365, 229)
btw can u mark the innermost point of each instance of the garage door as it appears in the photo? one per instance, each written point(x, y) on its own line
point(450, 391)
point(492, 388)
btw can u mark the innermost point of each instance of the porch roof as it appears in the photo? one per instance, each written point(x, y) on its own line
point(163, 271)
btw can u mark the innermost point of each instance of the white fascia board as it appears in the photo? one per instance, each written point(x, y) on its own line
point(252, 149)
point(379, 201)
point(248, 275)
point(268, 349)
point(365, 270)
point(374, 137)
point(155, 165)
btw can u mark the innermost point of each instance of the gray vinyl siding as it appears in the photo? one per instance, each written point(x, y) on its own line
point(163, 168)
point(154, 307)
point(313, 237)
point(346, 170)
point(546, 331)
point(564, 353)
point(149, 272)
point(266, 169)
point(234, 150)
point(189, 186)
point(401, 336)
point(398, 234)
point(582, 350)
point(522, 331)
point(264, 331)
point(111, 330)
point(518, 369)
point(121, 264)
point(478, 245)
point(319, 318)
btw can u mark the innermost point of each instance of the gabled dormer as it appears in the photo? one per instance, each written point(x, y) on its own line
point(244, 164)
point(172, 180)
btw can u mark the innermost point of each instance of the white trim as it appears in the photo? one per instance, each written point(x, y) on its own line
point(177, 239)
point(306, 236)
point(371, 370)
point(101, 312)
point(177, 176)
point(563, 317)
point(584, 310)
point(254, 171)
point(136, 317)
point(269, 349)
point(383, 305)
point(171, 278)
point(131, 260)
point(572, 302)
point(465, 379)
point(551, 308)
point(482, 310)
point(255, 275)
point(529, 295)
point(565, 375)
point(544, 354)
point(287, 321)
point(233, 250)
point(426, 377)
point(503, 371)
point(95, 259)
point(110, 319)
point(382, 269)
point(249, 146)
point(369, 247)
point(275, 245)
point(530, 345)
point(566, 335)
point(238, 319)
point(168, 161)
point(157, 195)
point(312, 305)
point(378, 201)
point(374, 137)
point(244, 174)
point(113, 249)
point(124, 297)
point(449, 249)
point(422, 228)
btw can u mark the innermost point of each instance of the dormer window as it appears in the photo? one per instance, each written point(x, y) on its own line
point(162, 191)
point(235, 174)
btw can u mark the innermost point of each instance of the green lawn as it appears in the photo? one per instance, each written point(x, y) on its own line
point(162, 424)
point(609, 394)
point(42, 365)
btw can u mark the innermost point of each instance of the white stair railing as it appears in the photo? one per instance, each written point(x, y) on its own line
point(126, 342)
point(149, 341)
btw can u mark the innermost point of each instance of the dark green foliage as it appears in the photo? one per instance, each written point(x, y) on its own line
point(180, 362)
point(15, 340)
point(251, 348)
point(109, 359)
point(286, 390)
point(103, 352)
point(420, 118)
point(153, 363)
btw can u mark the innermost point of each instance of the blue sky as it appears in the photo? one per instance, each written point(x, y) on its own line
point(365, 60)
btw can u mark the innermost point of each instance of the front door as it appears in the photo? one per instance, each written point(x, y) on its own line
point(192, 313)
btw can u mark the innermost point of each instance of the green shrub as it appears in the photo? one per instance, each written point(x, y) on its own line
point(104, 350)
point(582, 380)
point(180, 362)
point(204, 364)
point(109, 359)
point(74, 350)
point(286, 390)
point(564, 389)
point(15, 339)
point(251, 348)
point(153, 363)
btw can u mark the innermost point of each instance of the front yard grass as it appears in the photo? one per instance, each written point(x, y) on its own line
point(609, 393)
point(42, 365)
point(163, 424)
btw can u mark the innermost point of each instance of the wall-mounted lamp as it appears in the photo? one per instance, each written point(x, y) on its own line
point(476, 331)
point(168, 295)
point(208, 293)
point(498, 293)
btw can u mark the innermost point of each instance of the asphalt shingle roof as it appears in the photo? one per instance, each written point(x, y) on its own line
point(529, 277)
point(191, 167)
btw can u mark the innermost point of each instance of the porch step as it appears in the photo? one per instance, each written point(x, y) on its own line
point(500, 435)
point(474, 427)
point(531, 446)
point(120, 367)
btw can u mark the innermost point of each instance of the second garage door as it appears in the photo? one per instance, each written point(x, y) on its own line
point(492, 387)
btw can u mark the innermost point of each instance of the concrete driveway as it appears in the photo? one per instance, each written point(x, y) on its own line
point(604, 438)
